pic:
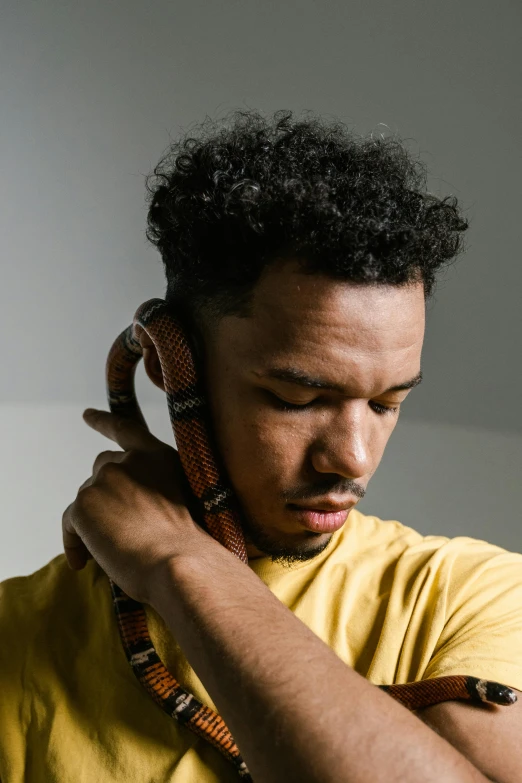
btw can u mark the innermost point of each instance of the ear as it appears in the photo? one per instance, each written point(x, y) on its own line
point(151, 361)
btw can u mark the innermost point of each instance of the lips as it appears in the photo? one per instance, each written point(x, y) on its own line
point(325, 508)
point(322, 517)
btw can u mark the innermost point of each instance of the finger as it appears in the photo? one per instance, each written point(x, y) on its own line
point(127, 433)
point(104, 457)
point(75, 550)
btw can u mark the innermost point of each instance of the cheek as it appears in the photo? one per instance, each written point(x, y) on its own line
point(259, 447)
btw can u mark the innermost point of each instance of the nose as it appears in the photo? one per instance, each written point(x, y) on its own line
point(343, 445)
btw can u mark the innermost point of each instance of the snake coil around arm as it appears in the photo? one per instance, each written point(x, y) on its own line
point(221, 517)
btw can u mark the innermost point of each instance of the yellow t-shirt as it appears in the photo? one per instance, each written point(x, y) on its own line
point(393, 604)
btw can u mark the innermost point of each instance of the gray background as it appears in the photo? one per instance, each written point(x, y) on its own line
point(91, 94)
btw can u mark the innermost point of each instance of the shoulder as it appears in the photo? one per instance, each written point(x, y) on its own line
point(38, 590)
point(457, 601)
point(35, 607)
point(47, 620)
point(459, 557)
point(463, 574)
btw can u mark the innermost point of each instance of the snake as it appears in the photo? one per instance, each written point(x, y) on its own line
point(219, 514)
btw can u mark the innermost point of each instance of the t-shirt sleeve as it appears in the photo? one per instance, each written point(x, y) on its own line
point(482, 634)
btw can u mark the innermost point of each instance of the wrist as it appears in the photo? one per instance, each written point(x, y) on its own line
point(183, 574)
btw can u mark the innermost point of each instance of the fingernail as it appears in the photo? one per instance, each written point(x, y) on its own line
point(89, 411)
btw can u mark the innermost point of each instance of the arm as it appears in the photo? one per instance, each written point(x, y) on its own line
point(295, 709)
point(488, 736)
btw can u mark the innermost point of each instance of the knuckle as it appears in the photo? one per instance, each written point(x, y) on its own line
point(102, 457)
point(108, 470)
point(84, 499)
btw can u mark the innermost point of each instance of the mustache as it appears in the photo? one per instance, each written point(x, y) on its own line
point(336, 486)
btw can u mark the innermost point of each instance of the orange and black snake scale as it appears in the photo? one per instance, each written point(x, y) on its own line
point(220, 515)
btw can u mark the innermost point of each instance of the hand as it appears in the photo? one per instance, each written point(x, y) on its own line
point(131, 515)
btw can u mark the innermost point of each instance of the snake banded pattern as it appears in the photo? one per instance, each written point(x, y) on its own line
point(219, 514)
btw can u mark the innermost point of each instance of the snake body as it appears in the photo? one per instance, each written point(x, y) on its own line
point(220, 515)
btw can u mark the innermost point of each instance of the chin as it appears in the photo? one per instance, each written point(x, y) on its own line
point(286, 547)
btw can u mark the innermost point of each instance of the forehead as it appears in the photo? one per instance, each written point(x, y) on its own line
point(331, 327)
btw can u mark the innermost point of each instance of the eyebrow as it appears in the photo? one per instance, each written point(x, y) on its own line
point(293, 375)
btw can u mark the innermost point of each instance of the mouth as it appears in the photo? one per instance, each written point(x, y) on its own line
point(322, 517)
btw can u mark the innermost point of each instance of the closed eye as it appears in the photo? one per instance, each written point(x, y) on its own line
point(284, 405)
point(382, 409)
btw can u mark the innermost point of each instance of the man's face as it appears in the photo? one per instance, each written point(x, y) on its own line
point(329, 351)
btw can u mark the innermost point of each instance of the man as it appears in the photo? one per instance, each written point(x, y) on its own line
point(301, 258)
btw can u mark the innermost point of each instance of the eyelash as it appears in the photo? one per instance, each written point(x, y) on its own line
point(382, 410)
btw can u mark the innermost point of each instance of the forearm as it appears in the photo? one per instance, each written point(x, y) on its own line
point(296, 711)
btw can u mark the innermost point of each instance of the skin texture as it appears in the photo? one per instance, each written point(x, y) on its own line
point(131, 516)
point(365, 339)
point(244, 644)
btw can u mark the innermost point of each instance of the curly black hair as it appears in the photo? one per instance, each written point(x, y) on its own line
point(226, 200)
